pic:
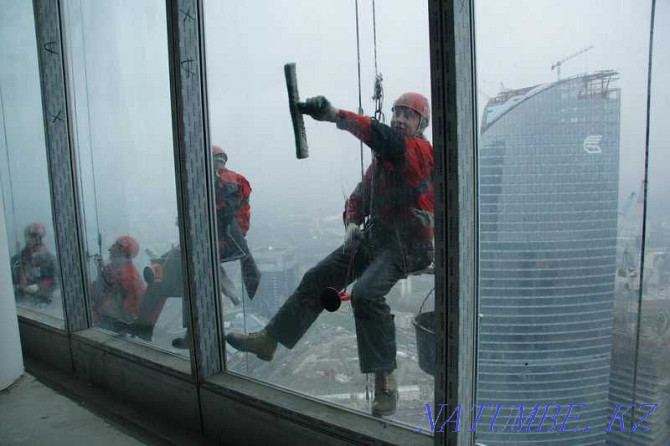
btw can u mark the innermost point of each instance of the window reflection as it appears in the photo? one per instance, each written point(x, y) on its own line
point(649, 336)
point(297, 230)
point(34, 268)
point(118, 290)
point(232, 193)
point(123, 127)
point(23, 167)
point(561, 156)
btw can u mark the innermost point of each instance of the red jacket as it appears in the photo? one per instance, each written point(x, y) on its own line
point(232, 200)
point(397, 188)
point(118, 291)
point(35, 266)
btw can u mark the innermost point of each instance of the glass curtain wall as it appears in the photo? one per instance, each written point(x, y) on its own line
point(642, 346)
point(564, 345)
point(24, 175)
point(290, 211)
point(118, 68)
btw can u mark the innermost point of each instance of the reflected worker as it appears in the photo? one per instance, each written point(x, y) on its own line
point(233, 211)
point(118, 290)
point(34, 268)
point(233, 219)
point(396, 196)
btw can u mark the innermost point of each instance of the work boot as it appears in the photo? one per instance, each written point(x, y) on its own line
point(181, 343)
point(142, 331)
point(386, 394)
point(260, 343)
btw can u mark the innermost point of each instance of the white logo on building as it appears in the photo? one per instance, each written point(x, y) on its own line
point(591, 144)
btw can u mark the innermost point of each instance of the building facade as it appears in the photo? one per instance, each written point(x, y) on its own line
point(279, 270)
point(548, 178)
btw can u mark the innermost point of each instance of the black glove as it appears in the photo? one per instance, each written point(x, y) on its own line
point(318, 108)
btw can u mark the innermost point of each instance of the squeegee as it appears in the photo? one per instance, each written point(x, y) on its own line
point(301, 150)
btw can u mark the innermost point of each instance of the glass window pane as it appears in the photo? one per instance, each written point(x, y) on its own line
point(122, 112)
point(297, 225)
point(23, 167)
point(562, 100)
point(653, 335)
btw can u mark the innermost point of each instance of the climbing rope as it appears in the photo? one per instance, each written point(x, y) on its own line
point(644, 201)
point(378, 97)
point(360, 97)
point(97, 258)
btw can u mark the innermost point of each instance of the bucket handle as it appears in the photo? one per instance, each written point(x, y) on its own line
point(425, 299)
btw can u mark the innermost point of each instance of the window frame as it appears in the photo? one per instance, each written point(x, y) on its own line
point(454, 131)
point(56, 110)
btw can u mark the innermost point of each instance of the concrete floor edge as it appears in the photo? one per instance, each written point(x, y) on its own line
point(135, 422)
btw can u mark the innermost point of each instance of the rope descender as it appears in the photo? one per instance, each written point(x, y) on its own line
point(378, 97)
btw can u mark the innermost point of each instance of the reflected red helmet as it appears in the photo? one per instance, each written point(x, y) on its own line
point(416, 102)
point(218, 152)
point(127, 245)
point(35, 229)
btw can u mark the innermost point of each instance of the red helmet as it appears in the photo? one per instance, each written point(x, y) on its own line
point(35, 229)
point(416, 102)
point(220, 153)
point(126, 245)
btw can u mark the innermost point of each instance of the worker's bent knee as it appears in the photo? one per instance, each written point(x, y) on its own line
point(367, 306)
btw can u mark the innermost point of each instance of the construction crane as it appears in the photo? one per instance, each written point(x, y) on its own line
point(557, 65)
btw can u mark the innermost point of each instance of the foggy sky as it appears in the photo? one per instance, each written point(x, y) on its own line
point(22, 149)
point(248, 100)
point(119, 73)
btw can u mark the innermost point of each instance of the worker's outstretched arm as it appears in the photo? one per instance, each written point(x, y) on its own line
point(382, 139)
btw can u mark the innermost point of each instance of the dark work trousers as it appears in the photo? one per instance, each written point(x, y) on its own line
point(376, 267)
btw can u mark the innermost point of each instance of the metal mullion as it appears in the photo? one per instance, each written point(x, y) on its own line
point(454, 133)
point(60, 160)
point(196, 219)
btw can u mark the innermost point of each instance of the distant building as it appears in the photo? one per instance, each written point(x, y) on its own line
point(649, 371)
point(548, 188)
point(279, 277)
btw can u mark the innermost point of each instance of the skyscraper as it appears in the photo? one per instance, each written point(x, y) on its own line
point(279, 270)
point(548, 189)
point(650, 383)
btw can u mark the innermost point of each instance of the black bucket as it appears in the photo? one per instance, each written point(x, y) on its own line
point(424, 326)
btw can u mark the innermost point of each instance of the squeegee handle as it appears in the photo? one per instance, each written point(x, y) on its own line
point(294, 104)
